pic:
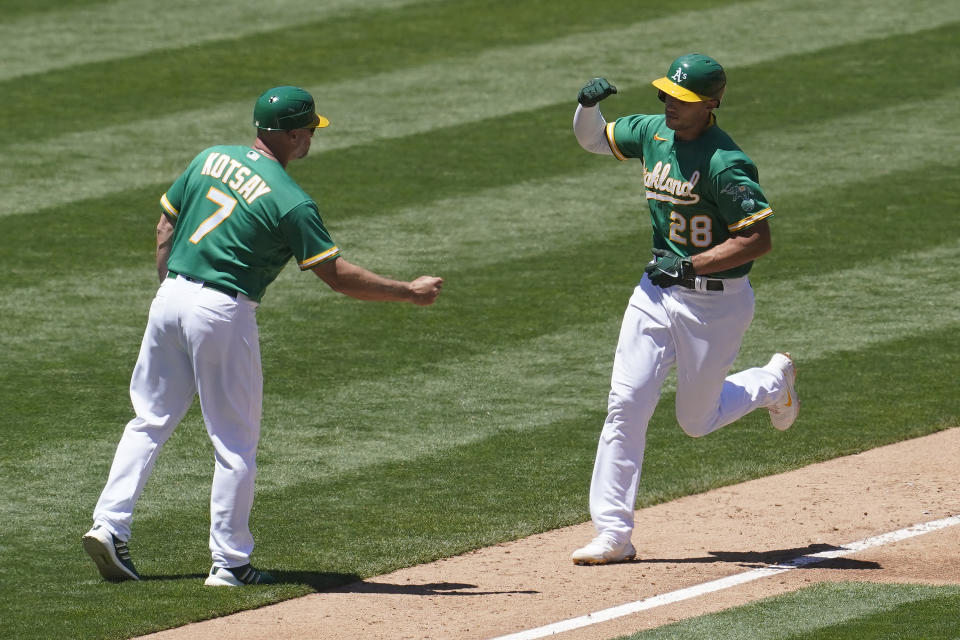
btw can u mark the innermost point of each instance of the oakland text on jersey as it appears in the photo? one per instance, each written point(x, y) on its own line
point(235, 175)
point(669, 189)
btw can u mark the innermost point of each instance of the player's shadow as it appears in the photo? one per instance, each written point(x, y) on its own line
point(799, 558)
point(426, 589)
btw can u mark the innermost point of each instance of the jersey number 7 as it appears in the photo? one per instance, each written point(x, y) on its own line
point(222, 213)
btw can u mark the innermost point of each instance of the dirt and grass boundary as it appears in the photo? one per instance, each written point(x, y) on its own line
point(529, 583)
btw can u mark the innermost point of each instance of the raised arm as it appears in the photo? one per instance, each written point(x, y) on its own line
point(588, 124)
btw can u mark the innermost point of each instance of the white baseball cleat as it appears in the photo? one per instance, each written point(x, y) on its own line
point(784, 412)
point(237, 576)
point(603, 550)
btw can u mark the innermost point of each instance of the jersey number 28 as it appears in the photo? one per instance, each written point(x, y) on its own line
point(699, 230)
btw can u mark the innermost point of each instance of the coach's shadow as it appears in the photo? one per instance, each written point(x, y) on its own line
point(759, 559)
point(425, 589)
point(318, 581)
point(315, 580)
point(350, 583)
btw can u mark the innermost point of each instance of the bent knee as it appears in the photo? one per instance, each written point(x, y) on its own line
point(696, 427)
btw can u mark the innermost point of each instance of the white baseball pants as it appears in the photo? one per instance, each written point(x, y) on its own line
point(197, 341)
point(699, 331)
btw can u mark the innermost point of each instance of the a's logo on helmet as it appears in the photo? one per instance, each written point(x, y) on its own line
point(679, 76)
point(273, 99)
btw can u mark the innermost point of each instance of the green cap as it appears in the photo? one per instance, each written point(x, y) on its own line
point(286, 108)
point(693, 78)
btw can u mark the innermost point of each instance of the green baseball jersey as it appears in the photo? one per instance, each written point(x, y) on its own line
point(239, 217)
point(700, 192)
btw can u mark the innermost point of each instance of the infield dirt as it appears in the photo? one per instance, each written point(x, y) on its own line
point(531, 582)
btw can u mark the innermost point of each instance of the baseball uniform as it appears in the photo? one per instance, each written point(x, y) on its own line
point(238, 219)
point(699, 194)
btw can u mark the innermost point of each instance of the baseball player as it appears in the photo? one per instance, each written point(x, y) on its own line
point(229, 224)
point(694, 301)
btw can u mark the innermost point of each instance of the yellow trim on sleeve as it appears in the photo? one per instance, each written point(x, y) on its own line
point(613, 144)
point(746, 222)
point(169, 208)
point(320, 257)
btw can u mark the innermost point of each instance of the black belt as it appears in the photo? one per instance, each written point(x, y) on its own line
point(709, 285)
point(203, 283)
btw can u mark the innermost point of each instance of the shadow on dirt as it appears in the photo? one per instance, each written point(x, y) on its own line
point(799, 558)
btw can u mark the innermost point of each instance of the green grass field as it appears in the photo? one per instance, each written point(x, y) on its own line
point(830, 611)
point(395, 435)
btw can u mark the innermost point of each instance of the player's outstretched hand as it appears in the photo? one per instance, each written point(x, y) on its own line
point(425, 290)
point(595, 91)
point(668, 269)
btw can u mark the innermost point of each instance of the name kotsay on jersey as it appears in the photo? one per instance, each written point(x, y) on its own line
point(235, 175)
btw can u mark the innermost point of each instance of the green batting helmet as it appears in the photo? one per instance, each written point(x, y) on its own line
point(286, 108)
point(693, 77)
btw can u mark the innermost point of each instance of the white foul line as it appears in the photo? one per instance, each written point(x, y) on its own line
point(730, 581)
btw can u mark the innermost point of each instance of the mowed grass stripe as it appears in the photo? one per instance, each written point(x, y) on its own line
point(71, 36)
point(786, 310)
point(464, 90)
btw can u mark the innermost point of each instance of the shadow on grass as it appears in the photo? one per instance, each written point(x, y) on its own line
point(798, 558)
point(170, 577)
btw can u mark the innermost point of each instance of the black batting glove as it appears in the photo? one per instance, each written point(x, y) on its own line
point(668, 269)
point(595, 91)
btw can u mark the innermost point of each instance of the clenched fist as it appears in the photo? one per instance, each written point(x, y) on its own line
point(595, 91)
point(425, 290)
